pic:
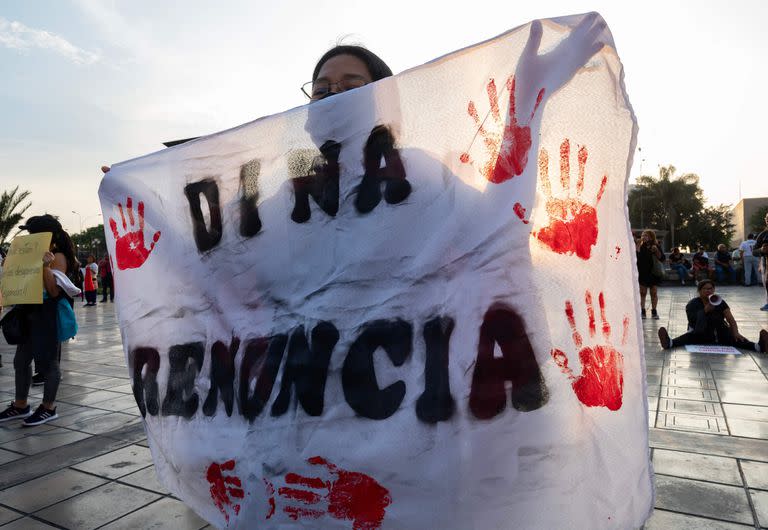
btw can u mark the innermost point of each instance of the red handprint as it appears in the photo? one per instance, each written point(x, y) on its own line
point(506, 145)
point(130, 252)
point(572, 223)
point(350, 495)
point(601, 383)
point(224, 488)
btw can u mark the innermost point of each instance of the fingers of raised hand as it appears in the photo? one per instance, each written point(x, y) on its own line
point(561, 360)
point(122, 215)
point(534, 40)
point(154, 240)
point(129, 207)
point(572, 322)
point(320, 461)
point(131, 219)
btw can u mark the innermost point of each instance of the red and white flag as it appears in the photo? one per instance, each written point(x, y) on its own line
point(410, 305)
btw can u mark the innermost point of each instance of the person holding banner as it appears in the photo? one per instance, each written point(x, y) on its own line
point(343, 68)
point(710, 321)
point(42, 343)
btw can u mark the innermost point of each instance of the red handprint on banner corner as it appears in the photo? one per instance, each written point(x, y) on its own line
point(601, 383)
point(572, 225)
point(506, 144)
point(350, 496)
point(130, 250)
point(224, 487)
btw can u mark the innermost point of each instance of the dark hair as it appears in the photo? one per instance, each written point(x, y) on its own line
point(702, 283)
point(60, 241)
point(750, 236)
point(376, 67)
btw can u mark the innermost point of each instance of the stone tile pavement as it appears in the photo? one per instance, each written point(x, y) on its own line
point(91, 468)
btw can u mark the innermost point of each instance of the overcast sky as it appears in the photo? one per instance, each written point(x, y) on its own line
point(91, 82)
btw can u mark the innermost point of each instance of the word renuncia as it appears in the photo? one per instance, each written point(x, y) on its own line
point(305, 358)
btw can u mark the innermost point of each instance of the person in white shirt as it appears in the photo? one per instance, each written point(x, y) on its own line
point(748, 260)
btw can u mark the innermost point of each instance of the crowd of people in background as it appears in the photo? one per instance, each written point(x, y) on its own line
point(710, 320)
point(752, 253)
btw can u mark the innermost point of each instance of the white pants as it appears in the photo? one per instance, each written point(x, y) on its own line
point(750, 270)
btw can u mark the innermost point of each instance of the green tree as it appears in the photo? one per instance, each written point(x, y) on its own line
point(709, 228)
point(667, 202)
point(757, 220)
point(90, 241)
point(10, 214)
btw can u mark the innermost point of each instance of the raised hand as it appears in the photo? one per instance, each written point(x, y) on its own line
point(130, 251)
point(540, 75)
point(346, 495)
point(506, 143)
point(601, 383)
point(572, 225)
point(224, 487)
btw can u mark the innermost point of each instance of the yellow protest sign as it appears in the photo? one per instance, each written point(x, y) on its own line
point(22, 281)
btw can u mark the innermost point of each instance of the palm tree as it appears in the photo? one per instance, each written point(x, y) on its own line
point(9, 216)
point(677, 196)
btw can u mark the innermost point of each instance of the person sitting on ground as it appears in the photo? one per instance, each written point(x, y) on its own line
point(723, 264)
point(677, 262)
point(700, 264)
point(710, 321)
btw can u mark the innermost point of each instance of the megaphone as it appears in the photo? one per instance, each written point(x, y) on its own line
point(715, 299)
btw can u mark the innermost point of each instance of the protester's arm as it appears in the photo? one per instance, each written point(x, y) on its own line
point(761, 245)
point(732, 324)
point(52, 261)
point(697, 318)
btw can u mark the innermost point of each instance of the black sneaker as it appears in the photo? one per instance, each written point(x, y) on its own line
point(14, 413)
point(40, 416)
point(38, 379)
point(666, 342)
point(642, 313)
point(762, 342)
point(654, 314)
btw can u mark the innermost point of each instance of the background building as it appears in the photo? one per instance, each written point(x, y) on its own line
point(741, 215)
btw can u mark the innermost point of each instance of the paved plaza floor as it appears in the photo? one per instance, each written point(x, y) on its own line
point(91, 468)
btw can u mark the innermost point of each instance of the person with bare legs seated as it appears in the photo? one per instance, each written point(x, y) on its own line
point(710, 321)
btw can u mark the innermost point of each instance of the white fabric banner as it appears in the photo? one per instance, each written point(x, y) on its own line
point(410, 305)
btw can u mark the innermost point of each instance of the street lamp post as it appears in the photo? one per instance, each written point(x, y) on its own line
point(81, 220)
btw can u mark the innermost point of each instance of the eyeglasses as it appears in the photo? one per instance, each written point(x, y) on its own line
point(320, 89)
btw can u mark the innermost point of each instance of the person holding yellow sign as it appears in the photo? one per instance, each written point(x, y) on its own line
point(41, 340)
